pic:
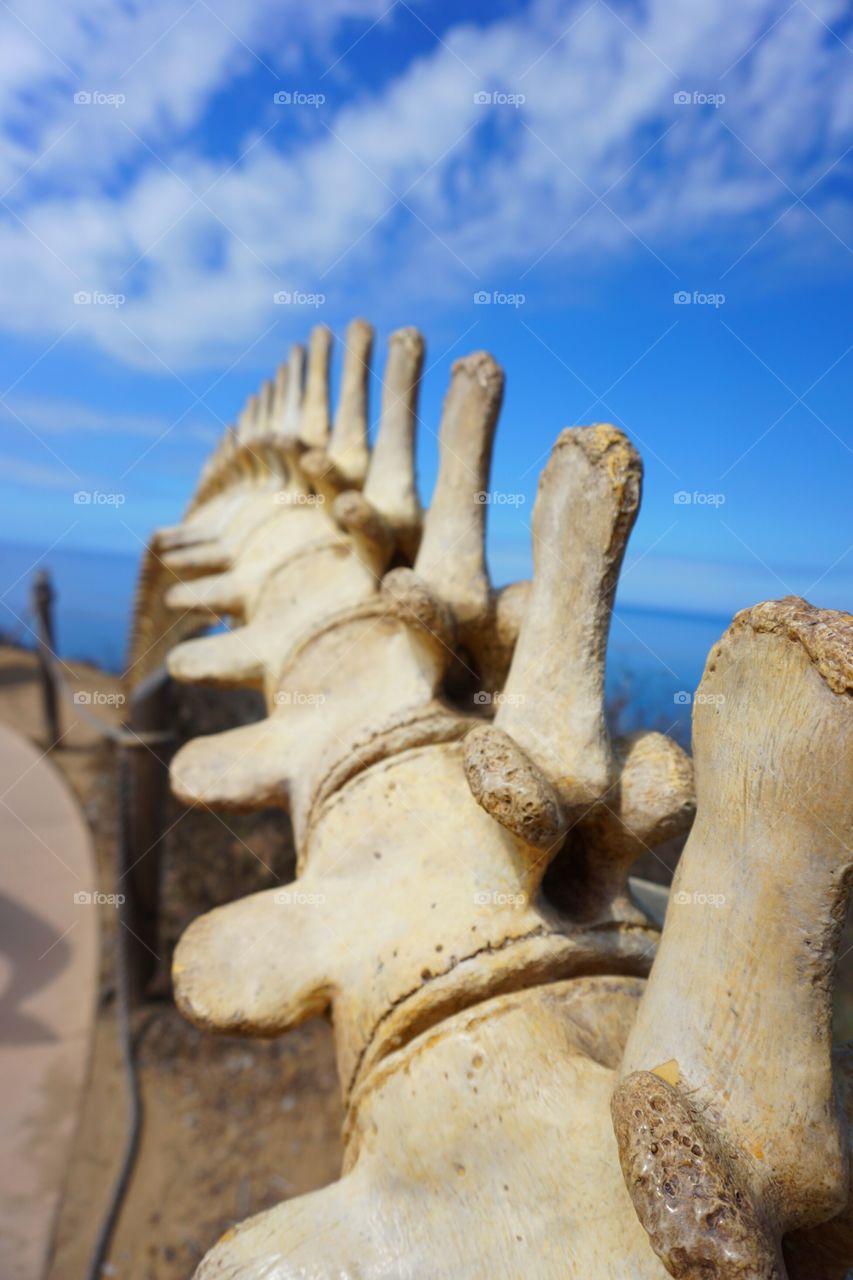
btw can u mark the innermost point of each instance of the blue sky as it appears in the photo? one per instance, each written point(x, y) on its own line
point(629, 153)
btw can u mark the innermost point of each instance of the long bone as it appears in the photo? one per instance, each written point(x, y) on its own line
point(547, 763)
point(726, 1117)
point(387, 828)
point(281, 593)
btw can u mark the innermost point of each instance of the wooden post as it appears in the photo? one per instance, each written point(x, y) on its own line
point(42, 602)
point(145, 791)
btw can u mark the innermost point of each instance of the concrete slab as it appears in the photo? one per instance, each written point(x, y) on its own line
point(48, 973)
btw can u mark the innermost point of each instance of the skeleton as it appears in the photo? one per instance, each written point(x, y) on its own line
point(462, 904)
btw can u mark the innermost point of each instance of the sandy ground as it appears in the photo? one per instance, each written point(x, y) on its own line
point(231, 1126)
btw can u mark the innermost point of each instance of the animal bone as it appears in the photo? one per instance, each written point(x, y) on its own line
point(479, 1149)
point(480, 1021)
point(267, 473)
point(390, 486)
point(728, 1127)
point(292, 408)
point(547, 764)
point(348, 450)
point(434, 858)
point(304, 566)
point(336, 660)
point(314, 423)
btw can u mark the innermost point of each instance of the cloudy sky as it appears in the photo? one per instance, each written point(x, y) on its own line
point(597, 162)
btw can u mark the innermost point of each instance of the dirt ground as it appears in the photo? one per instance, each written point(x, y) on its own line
point(231, 1126)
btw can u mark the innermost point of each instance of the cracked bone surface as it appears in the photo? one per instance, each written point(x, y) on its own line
point(728, 1122)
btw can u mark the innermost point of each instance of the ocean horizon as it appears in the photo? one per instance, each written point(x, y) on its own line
point(655, 656)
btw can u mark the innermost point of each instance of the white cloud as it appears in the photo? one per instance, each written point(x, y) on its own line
point(63, 417)
point(167, 58)
point(487, 188)
point(35, 475)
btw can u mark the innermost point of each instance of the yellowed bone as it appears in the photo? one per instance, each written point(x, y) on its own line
point(479, 1150)
point(740, 992)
